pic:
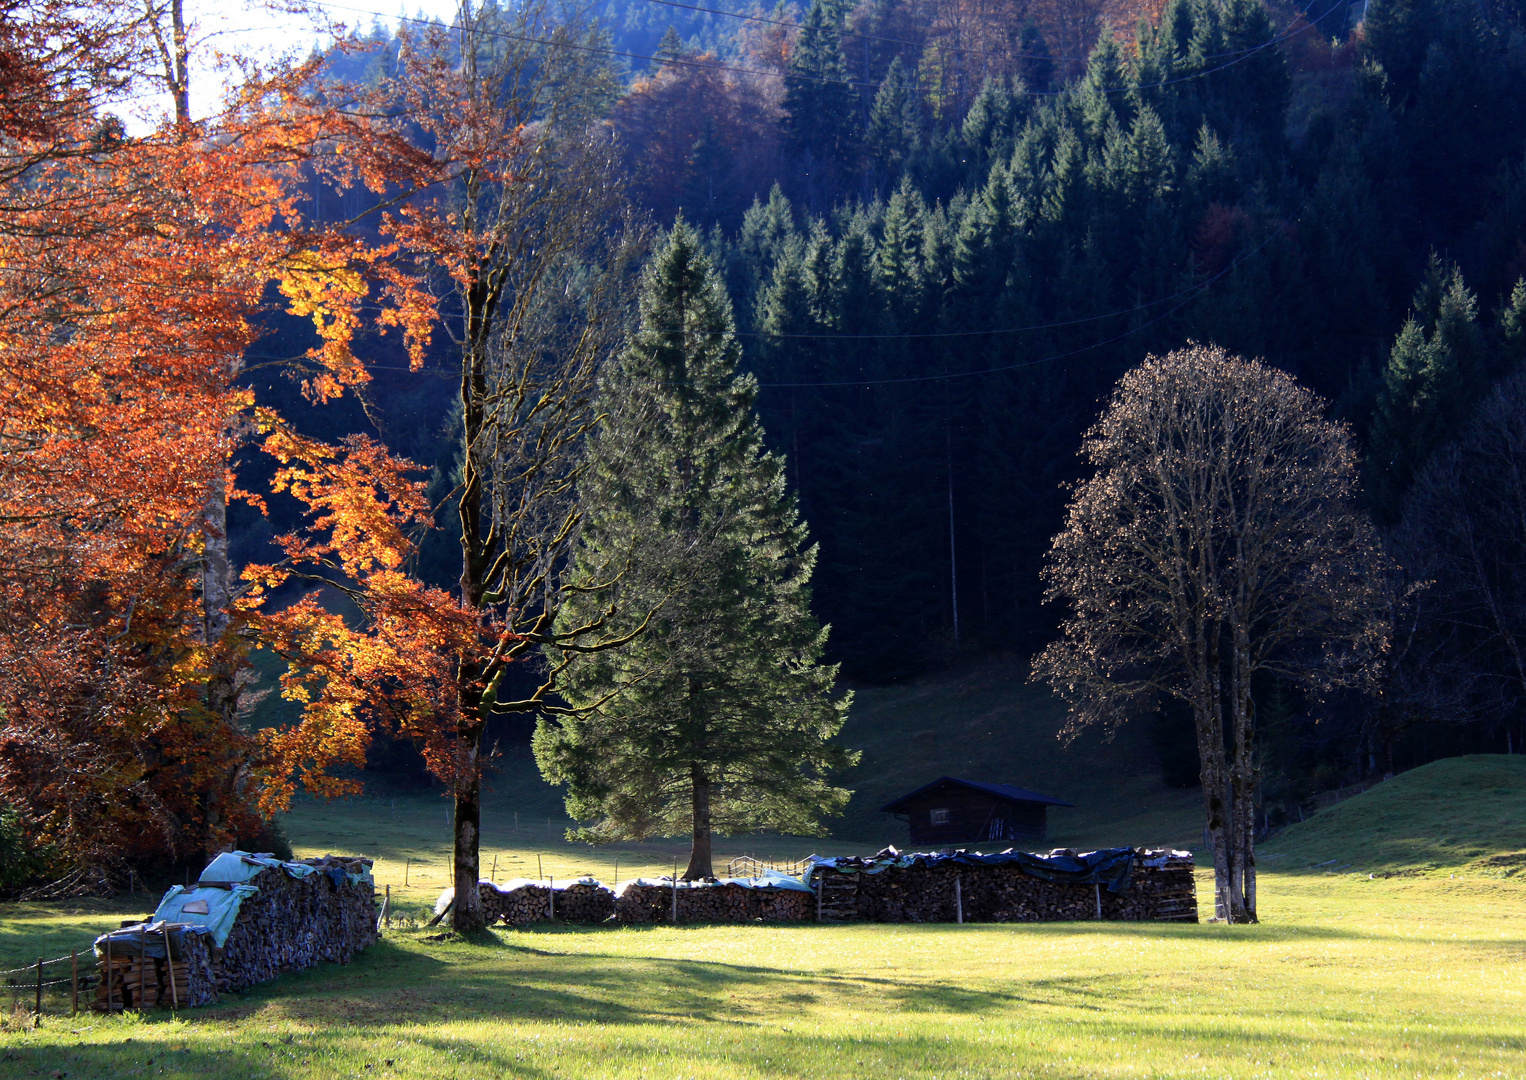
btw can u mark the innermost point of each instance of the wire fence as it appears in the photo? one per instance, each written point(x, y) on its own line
point(28, 986)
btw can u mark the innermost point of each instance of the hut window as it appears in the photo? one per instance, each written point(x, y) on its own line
point(940, 817)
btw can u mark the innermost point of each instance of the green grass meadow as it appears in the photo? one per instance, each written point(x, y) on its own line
point(1411, 963)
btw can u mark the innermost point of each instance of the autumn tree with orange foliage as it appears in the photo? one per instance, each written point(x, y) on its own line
point(135, 269)
point(525, 236)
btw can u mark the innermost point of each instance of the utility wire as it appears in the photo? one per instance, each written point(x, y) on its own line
point(1195, 292)
point(795, 76)
point(789, 24)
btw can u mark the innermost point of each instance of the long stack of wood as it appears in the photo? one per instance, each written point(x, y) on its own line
point(290, 922)
point(523, 902)
point(146, 982)
point(1161, 888)
point(298, 922)
point(647, 901)
point(585, 901)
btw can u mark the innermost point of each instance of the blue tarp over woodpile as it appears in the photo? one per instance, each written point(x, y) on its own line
point(1112, 867)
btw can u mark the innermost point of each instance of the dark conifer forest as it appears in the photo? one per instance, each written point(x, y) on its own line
point(948, 227)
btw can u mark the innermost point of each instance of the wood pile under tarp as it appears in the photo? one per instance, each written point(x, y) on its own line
point(256, 918)
point(522, 901)
point(154, 964)
point(770, 899)
point(297, 922)
point(1117, 884)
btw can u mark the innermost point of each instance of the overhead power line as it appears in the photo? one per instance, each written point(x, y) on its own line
point(1194, 293)
point(791, 25)
point(796, 76)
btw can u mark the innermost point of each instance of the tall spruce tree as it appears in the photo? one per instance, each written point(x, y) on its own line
point(1437, 369)
point(820, 106)
point(720, 716)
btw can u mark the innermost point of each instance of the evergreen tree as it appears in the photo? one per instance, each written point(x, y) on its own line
point(1511, 327)
point(894, 124)
point(719, 715)
point(898, 256)
point(991, 125)
point(765, 229)
point(670, 48)
point(1436, 370)
point(819, 101)
point(1037, 62)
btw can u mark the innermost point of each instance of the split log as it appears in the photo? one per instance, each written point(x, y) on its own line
point(712, 901)
point(294, 923)
point(290, 923)
point(520, 903)
point(143, 982)
point(1162, 888)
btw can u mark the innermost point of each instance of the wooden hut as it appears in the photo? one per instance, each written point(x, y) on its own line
point(954, 811)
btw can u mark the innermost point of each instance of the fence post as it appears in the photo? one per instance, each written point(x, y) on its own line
point(39, 991)
point(169, 965)
point(958, 901)
point(109, 969)
point(387, 908)
point(551, 898)
point(675, 892)
point(818, 897)
point(407, 865)
point(1098, 887)
point(74, 981)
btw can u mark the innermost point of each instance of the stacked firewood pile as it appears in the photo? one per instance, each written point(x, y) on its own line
point(289, 923)
point(585, 901)
point(646, 901)
point(1163, 884)
point(1161, 888)
point(523, 902)
point(146, 982)
point(298, 922)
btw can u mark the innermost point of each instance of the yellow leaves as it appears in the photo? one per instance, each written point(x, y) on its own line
point(398, 664)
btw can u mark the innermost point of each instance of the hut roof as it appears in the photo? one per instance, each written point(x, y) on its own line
point(1001, 791)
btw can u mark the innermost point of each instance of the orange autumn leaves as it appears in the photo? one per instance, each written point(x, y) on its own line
point(410, 658)
point(133, 272)
point(399, 660)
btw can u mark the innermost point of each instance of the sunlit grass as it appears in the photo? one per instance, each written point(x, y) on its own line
point(1418, 975)
point(1344, 978)
point(1414, 976)
point(1462, 813)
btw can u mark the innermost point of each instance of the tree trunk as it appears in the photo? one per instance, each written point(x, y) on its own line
point(467, 916)
point(1208, 718)
point(1243, 784)
point(466, 866)
point(699, 854)
point(222, 690)
point(1210, 740)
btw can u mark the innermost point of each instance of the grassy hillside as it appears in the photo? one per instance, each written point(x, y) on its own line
point(985, 722)
point(980, 721)
point(1458, 813)
point(1345, 979)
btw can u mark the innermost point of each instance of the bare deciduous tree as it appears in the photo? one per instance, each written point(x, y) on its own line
point(1215, 541)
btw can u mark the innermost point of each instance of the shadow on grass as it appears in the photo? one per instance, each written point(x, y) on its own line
point(52, 929)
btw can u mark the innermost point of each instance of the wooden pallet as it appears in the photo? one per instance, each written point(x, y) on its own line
point(836, 897)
